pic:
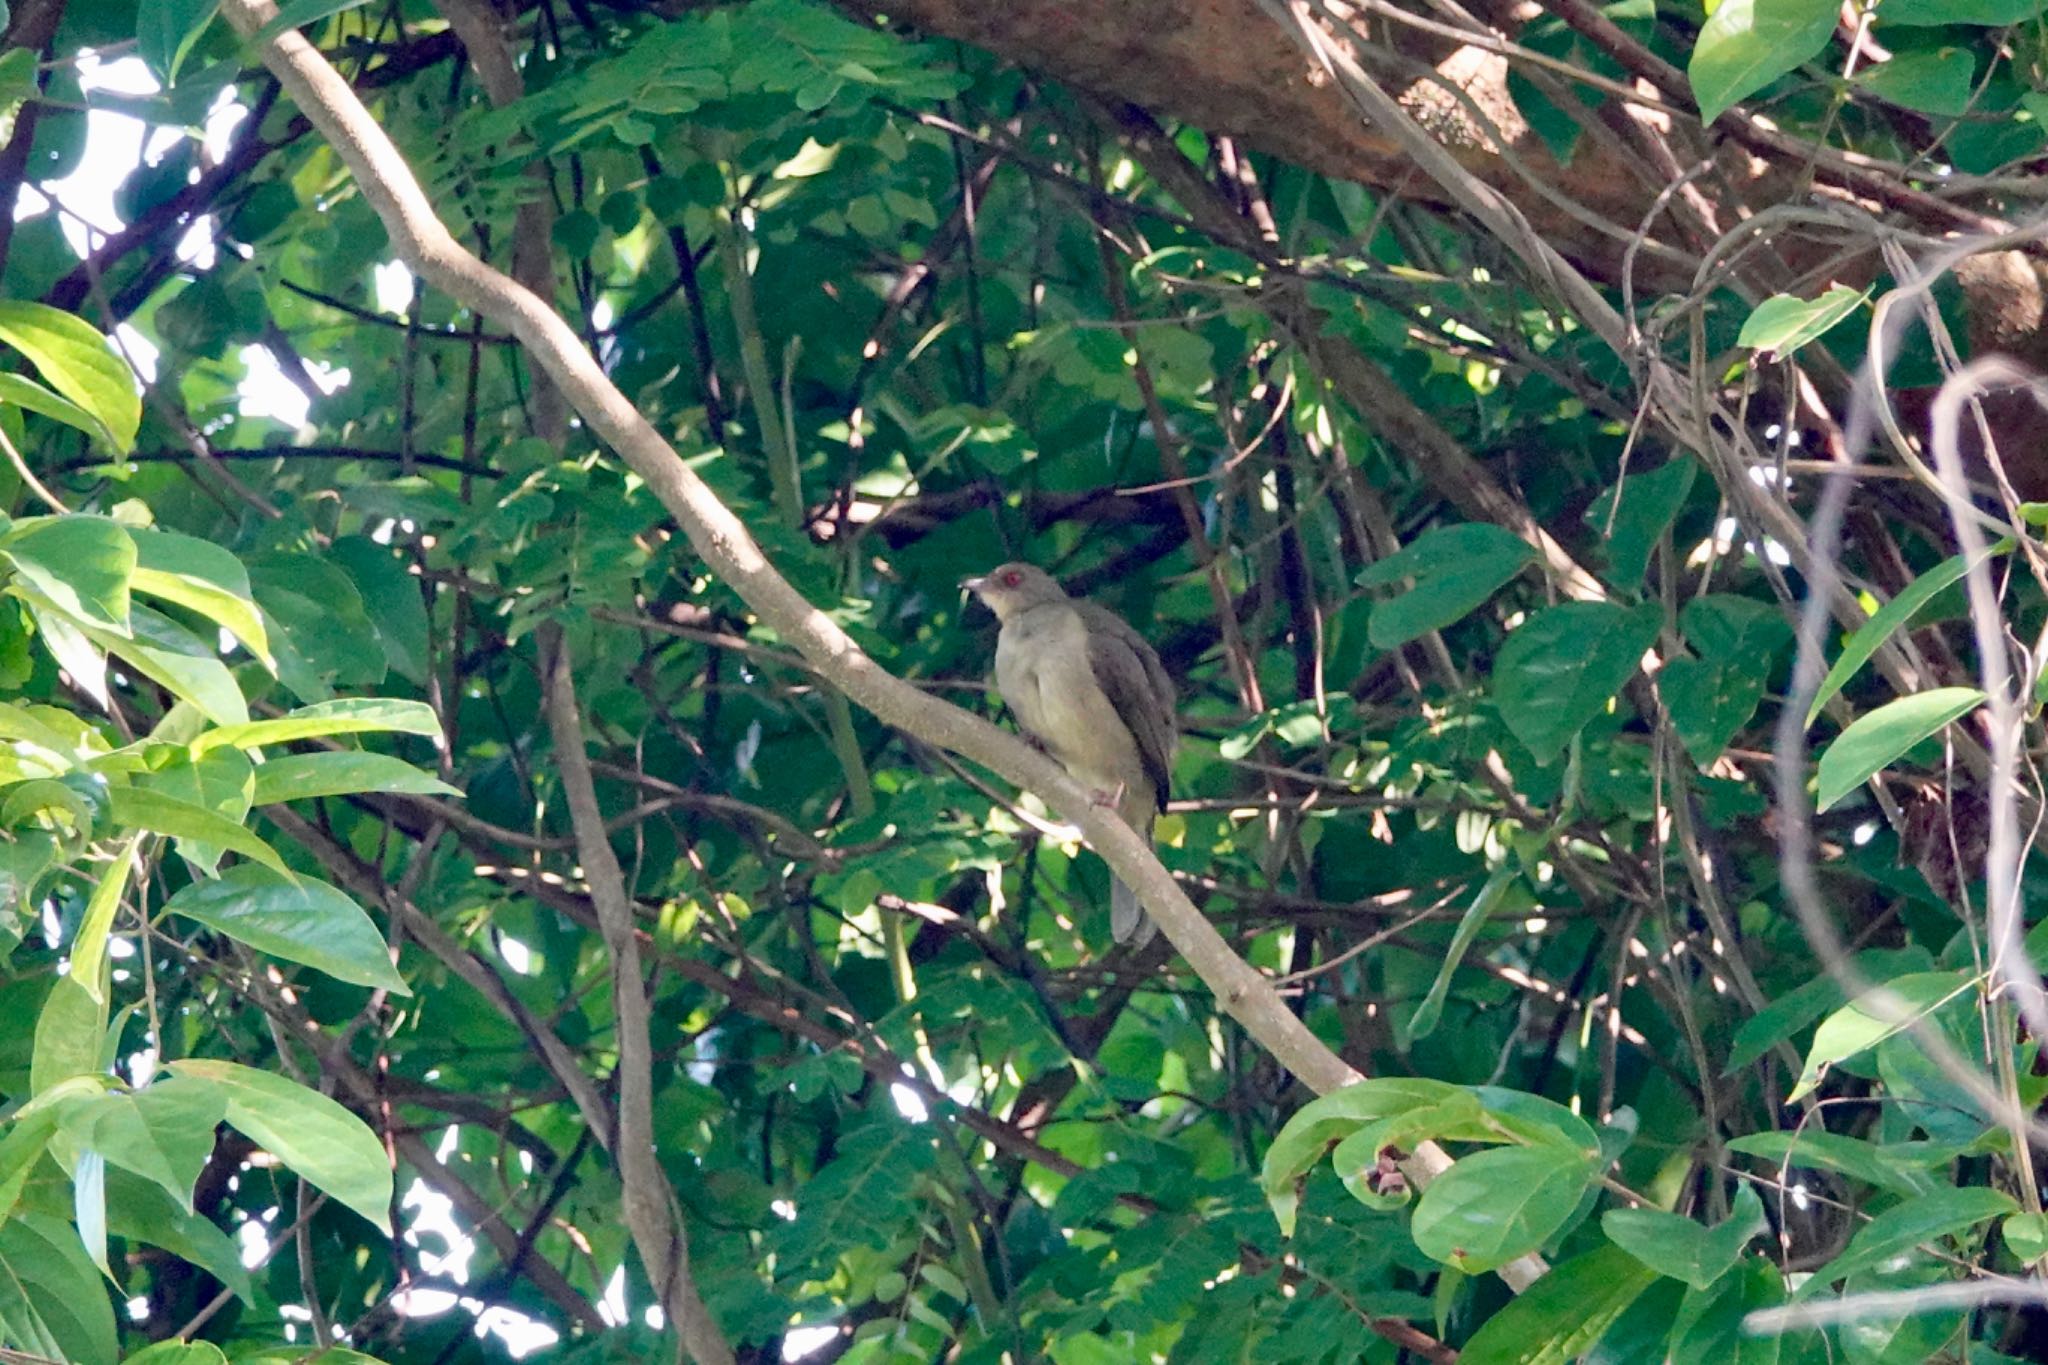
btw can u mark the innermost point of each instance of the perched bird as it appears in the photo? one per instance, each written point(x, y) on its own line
point(1091, 692)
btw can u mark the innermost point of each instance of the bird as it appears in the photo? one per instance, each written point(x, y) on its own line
point(1090, 691)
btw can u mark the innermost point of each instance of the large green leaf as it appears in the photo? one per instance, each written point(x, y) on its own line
point(1683, 1249)
point(70, 1029)
point(53, 1303)
point(1871, 742)
point(1885, 1167)
point(140, 1210)
point(1783, 323)
point(1649, 501)
point(89, 946)
point(1493, 1206)
point(202, 577)
point(1560, 668)
point(26, 393)
point(1563, 1314)
point(319, 631)
point(81, 564)
point(314, 1136)
point(221, 780)
point(355, 716)
point(1455, 568)
point(301, 777)
point(1710, 1324)
point(300, 920)
point(140, 808)
point(1874, 1016)
point(167, 32)
point(163, 1133)
point(76, 361)
point(1932, 81)
point(1927, 1218)
point(1713, 697)
point(1747, 44)
point(1931, 13)
point(176, 659)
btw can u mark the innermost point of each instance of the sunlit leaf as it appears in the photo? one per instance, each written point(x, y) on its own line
point(1872, 742)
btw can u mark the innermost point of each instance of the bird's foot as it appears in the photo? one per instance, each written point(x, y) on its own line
point(1108, 800)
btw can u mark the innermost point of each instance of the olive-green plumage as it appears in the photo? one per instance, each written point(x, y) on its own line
point(1092, 692)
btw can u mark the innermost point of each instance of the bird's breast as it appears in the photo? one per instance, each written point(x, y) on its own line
point(1048, 681)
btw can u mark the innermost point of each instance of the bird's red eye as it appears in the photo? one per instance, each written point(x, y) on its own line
point(1012, 579)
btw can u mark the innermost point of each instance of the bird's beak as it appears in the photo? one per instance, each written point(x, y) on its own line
point(973, 584)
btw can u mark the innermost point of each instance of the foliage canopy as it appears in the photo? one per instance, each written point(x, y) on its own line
point(405, 835)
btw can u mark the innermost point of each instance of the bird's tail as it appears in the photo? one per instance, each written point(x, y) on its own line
point(1128, 922)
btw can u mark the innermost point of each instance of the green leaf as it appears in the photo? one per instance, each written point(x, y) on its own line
point(1873, 741)
point(1679, 1247)
point(1455, 568)
point(1938, 1213)
point(358, 715)
point(1747, 44)
point(28, 1137)
point(82, 564)
point(68, 644)
point(1869, 1162)
point(140, 808)
point(24, 392)
point(1431, 1009)
point(140, 1210)
point(1561, 1316)
point(173, 657)
point(167, 31)
point(2026, 1236)
point(302, 777)
point(1493, 1206)
point(1783, 323)
point(76, 361)
point(29, 799)
point(52, 1301)
point(199, 575)
point(176, 1352)
point(299, 13)
point(1932, 80)
point(319, 630)
point(1710, 699)
point(89, 946)
point(163, 1132)
point(1803, 1004)
point(1650, 501)
point(1560, 668)
point(69, 1032)
point(1874, 1016)
point(391, 597)
point(1888, 619)
point(221, 781)
point(1933, 13)
point(1709, 1325)
point(314, 1136)
point(303, 920)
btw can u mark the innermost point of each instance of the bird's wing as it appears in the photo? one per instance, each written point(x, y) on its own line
point(1131, 677)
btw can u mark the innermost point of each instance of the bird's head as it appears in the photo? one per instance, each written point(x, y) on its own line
point(1011, 588)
